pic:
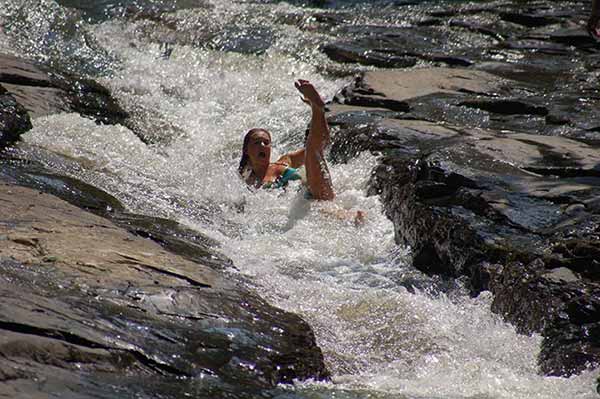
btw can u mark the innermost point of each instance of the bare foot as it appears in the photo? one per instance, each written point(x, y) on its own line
point(309, 92)
point(359, 218)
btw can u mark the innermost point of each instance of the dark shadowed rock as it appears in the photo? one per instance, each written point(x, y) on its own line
point(14, 119)
point(397, 48)
point(505, 107)
point(574, 37)
point(466, 34)
point(381, 57)
point(530, 20)
point(558, 303)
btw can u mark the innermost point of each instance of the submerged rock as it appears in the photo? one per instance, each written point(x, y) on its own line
point(91, 308)
point(507, 211)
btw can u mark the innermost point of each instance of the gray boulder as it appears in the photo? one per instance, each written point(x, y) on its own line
point(510, 212)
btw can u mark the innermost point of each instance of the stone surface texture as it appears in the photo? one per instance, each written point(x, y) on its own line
point(507, 211)
point(85, 302)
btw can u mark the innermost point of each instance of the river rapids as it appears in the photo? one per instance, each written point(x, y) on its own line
point(197, 75)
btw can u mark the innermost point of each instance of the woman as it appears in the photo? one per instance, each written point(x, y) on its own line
point(256, 167)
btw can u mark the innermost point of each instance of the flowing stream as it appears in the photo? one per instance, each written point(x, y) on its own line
point(386, 330)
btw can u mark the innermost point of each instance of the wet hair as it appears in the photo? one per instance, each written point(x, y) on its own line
point(244, 169)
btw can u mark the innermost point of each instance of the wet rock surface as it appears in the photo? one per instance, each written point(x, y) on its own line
point(490, 164)
point(42, 91)
point(90, 307)
point(171, 235)
point(481, 193)
point(29, 90)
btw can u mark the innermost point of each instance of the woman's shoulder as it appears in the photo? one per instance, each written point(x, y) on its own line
point(292, 158)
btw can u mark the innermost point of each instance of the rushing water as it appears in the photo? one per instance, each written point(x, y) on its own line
point(386, 330)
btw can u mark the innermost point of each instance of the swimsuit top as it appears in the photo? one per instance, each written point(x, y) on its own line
point(282, 181)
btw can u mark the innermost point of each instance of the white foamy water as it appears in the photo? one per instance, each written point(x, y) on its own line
point(381, 337)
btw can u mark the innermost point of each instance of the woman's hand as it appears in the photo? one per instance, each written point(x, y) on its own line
point(309, 93)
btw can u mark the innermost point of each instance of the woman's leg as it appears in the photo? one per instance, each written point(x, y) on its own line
point(317, 173)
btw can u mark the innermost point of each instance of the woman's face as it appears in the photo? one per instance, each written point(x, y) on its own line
point(259, 147)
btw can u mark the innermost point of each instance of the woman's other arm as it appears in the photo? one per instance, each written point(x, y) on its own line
point(293, 159)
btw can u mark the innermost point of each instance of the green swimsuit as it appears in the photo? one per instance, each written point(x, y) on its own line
point(282, 181)
point(288, 175)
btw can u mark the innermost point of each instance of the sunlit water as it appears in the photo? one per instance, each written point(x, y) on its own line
point(386, 331)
